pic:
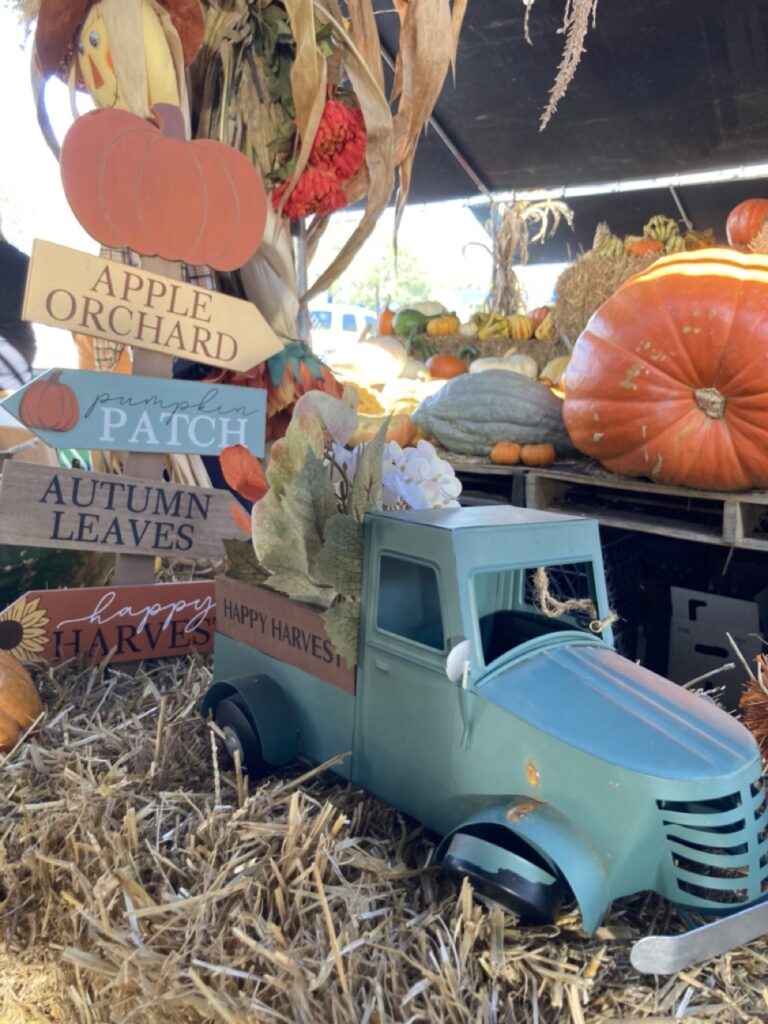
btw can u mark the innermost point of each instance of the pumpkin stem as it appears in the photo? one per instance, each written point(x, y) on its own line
point(711, 402)
point(170, 119)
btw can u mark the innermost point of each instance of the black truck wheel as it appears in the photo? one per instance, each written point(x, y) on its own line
point(532, 892)
point(240, 735)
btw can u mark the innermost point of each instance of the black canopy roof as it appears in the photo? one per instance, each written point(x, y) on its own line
point(665, 87)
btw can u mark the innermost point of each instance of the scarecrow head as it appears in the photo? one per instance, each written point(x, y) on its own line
point(127, 53)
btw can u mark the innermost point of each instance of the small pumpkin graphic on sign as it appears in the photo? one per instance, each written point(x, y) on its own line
point(144, 186)
point(48, 404)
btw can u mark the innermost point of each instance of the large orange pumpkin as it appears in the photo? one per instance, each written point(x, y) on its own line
point(19, 701)
point(745, 221)
point(133, 184)
point(669, 378)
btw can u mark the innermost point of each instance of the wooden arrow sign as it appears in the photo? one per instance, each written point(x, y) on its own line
point(79, 292)
point(157, 621)
point(67, 508)
point(82, 409)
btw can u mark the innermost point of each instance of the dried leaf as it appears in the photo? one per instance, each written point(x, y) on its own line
point(308, 82)
point(365, 36)
point(342, 624)
point(340, 562)
point(337, 416)
point(365, 495)
point(243, 472)
point(241, 517)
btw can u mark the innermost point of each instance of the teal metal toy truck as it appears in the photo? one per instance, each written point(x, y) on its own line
point(548, 765)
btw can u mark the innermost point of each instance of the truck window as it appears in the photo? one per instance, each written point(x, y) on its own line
point(409, 601)
point(349, 322)
point(508, 606)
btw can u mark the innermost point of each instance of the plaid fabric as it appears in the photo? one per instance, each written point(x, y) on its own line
point(106, 353)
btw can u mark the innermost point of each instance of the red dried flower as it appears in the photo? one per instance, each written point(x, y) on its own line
point(318, 190)
point(340, 139)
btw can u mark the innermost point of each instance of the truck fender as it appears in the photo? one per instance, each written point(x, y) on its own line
point(550, 834)
point(270, 712)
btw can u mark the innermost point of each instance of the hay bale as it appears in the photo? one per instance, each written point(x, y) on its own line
point(169, 889)
point(586, 284)
point(541, 351)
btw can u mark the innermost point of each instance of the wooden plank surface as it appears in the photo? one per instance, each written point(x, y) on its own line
point(282, 629)
point(129, 623)
point(67, 508)
point(80, 292)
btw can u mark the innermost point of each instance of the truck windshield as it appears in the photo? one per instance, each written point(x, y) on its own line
point(522, 603)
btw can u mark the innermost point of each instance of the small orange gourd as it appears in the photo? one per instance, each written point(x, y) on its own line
point(386, 320)
point(444, 366)
point(19, 700)
point(506, 453)
point(643, 246)
point(440, 326)
point(538, 455)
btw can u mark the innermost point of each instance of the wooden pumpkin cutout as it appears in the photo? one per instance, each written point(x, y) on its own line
point(133, 184)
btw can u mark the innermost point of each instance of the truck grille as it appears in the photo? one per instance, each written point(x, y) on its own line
point(718, 848)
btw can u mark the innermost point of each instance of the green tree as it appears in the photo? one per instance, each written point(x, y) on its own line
point(371, 286)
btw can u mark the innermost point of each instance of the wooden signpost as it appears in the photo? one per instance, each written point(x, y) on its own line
point(83, 409)
point(71, 508)
point(198, 201)
point(79, 292)
point(127, 623)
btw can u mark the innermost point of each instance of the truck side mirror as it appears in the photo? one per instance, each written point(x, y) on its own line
point(457, 662)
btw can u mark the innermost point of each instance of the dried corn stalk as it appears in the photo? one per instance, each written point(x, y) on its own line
point(513, 227)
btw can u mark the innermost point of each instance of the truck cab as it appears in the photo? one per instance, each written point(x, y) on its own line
point(489, 704)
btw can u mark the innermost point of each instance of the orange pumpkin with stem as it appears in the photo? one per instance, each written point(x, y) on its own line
point(386, 320)
point(668, 380)
point(745, 221)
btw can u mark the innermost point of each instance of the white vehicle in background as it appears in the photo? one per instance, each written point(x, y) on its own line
point(336, 326)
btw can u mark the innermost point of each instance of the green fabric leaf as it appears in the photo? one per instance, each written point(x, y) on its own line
point(340, 562)
point(342, 624)
point(365, 495)
point(242, 563)
point(308, 503)
point(277, 541)
point(301, 588)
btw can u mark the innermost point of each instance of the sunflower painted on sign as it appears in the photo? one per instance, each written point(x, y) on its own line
point(23, 631)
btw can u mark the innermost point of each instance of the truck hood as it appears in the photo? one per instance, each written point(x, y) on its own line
point(597, 701)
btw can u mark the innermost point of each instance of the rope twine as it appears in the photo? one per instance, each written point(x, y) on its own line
point(553, 609)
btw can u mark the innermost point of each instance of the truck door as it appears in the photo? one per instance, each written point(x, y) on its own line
point(407, 707)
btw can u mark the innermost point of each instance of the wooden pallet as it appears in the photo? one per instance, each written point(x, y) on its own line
point(582, 487)
point(733, 519)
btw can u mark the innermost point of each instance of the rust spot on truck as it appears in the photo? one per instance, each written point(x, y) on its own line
point(532, 774)
point(520, 810)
